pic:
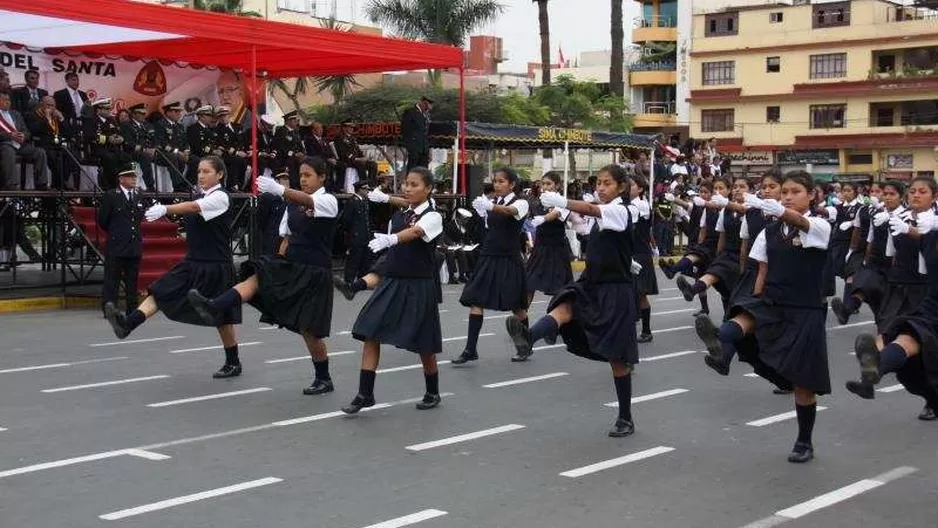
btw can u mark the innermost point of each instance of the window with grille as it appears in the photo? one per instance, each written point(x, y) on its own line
point(776, 17)
point(716, 73)
point(828, 66)
point(300, 6)
point(773, 114)
point(828, 116)
point(773, 64)
point(717, 120)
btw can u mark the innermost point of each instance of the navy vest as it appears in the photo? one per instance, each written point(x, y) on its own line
point(878, 258)
point(794, 276)
point(755, 223)
point(930, 251)
point(415, 259)
point(732, 223)
point(504, 234)
point(551, 234)
point(641, 235)
point(712, 238)
point(845, 213)
point(866, 218)
point(694, 232)
point(609, 255)
point(210, 240)
point(310, 237)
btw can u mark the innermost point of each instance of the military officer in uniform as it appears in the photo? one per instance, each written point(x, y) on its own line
point(140, 142)
point(120, 214)
point(103, 141)
point(415, 127)
point(203, 140)
point(266, 152)
point(234, 149)
point(356, 222)
point(289, 147)
point(350, 155)
point(172, 141)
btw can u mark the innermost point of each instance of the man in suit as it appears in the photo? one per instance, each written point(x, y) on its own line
point(15, 142)
point(31, 93)
point(140, 142)
point(71, 101)
point(356, 221)
point(104, 141)
point(120, 214)
point(415, 129)
point(50, 133)
point(317, 146)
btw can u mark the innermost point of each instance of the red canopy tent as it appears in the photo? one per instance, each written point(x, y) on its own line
point(257, 47)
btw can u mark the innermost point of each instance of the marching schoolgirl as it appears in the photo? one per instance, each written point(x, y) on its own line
point(702, 239)
point(548, 268)
point(644, 250)
point(403, 310)
point(788, 309)
point(294, 289)
point(207, 266)
point(842, 216)
point(909, 310)
point(498, 280)
point(723, 273)
point(595, 315)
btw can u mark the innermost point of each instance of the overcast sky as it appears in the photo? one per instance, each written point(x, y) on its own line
point(576, 25)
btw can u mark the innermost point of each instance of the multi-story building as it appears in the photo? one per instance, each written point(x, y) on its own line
point(658, 77)
point(840, 87)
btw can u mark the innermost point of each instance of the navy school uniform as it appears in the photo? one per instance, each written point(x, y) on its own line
point(295, 291)
point(647, 281)
point(603, 299)
point(839, 244)
point(726, 264)
point(498, 280)
point(403, 311)
point(862, 222)
point(548, 268)
point(870, 279)
point(906, 281)
point(790, 314)
point(707, 250)
point(207, 266)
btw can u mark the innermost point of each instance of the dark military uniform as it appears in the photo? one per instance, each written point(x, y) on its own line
point(287, 143)
point(172, 141)
point(231, 140)
point(120, 215)
point(139, 137)
point(97, 132)
point(347, 149)
point(203, 141)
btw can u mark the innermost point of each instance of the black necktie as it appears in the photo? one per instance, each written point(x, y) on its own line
point(501, 201)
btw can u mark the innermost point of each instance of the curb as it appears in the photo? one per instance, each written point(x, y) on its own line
point(43, 304)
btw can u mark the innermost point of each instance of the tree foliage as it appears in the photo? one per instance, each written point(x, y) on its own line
point(231, 7)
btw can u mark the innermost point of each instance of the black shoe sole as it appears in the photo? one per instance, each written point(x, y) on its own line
point(343, 288)
point(666, 269)
point(927, 415)
point(324, 389)
point(863, 390)
point(615, 432)
point(868, 357)
point(717, 365)
point(462, 359)
point(707, 332)
point(353, 407)
point(201, 306)
point(520, 337)
point(113, 316)
point(425, 405)
point(837, 306)
point(233, 373)
point(801, 458)
point(687, 289)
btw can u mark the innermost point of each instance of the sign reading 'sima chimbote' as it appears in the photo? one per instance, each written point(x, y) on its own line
point(805, 157)
point(750, 157)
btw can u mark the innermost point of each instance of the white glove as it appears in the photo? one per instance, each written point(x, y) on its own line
point(752, 201)
point(378, 196)
point(635, 268)
point(773, 207)
point(699, 202)
point(268, 185)
point(553, 199)
point(669, 197)
point(897, 226)
point(874, 201)
point(381, 242)
point(846, 226)
point(537, 220)
point(155, 212)
point(925, 222)
point(836, 201)
point(880, 218)
point(719, 200)
point(654, 252)
point(482, 204)
point(849, 252)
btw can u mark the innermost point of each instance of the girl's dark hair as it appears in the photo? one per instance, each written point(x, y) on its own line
point(553, 176)
point(927, 180)
point(510, 174)
point(897, 185)
point(488, 188)
point(641, 183)
point(875, 184)
point(317, 164)
point(848, 184)
point(708, 185)
point(743, 178)
point(218, 165)
point(772, 174)
point(424, 174)
point(726, 181)
point(802, 178)
point(618, 174)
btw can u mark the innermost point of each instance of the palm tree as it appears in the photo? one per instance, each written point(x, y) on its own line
point(616, 73)
point(544, 24)
point(300, 87)
point(338, 86)
point(439, 21)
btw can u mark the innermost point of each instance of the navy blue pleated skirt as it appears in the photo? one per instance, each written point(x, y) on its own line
point(402, 312)
point(922, 325)
point(646, 283)
point(871, 283)
point(603, 324)
point(726, 268)
point(899, 300)
point(548, 268)
point(498, 283)
point(292, 295)
point(211, 278)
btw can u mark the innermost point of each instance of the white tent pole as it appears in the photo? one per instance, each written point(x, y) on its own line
point(456, 164)
point(566, 166)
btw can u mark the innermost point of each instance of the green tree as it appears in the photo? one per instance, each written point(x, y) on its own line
point(338, 86)
point(439, 21)
point(543, 23)
point(231, 7)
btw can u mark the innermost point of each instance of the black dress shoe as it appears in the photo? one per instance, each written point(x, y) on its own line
point(551, 339)
point(227, 371)
point(780, 391)
point(465, 357)
point(868, 357)
point(358, 403)
point(687, 289)
point(927, 414)
point(319, 387)
point(521, 337)
point(863, 390)
point(718, 365)
point(429, 401)
point(837, 306)
point(709, 334)
point(344, 288)
point(801, 453)
point(202, 306)
point(452, 280)
point(621, 428)
point(666, 268)
point(117, 319)
point(645, 338)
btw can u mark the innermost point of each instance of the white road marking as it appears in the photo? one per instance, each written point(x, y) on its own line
point(675, 329)
point(409, 367)
point(460, 338)
point(267, 327)
point(136, 452)
point(2, 429)
point(105, 383)
point(60, 365)
point(464, 437)
point(408, 520)
point(169, 503)
point(670, 312)
point(525, 380)
point(851, 325)
point(334, 414)
point(831, 498)
point(668, 289)
point(345, 332)
point(149, 455)
point(778, 418)
point(652, 396)
point(306, 357)
point(539, 302)
point(133, 341)
point(547, 347)
point(668, 356)
point(751, 375)
point(891, 388)
point(214, 347)
point(600, 466)
point(208, 397)
point(681, 298)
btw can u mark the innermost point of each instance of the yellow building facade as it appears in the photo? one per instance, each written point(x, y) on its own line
point(846, 87)
point(655, 95)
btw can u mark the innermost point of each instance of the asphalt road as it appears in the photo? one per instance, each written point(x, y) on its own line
point(95, 432)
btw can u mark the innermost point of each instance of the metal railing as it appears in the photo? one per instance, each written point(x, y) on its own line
point(653, 66)
point(655, 21)
point(654, 107)
point(909, 14)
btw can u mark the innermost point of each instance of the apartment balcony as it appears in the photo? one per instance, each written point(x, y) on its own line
point(652, 77)
point(654, 114)
point(654, 29)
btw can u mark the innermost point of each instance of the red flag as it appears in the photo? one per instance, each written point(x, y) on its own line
point(563, 61)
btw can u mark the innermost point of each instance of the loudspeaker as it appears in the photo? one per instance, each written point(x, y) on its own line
point(475, 174)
